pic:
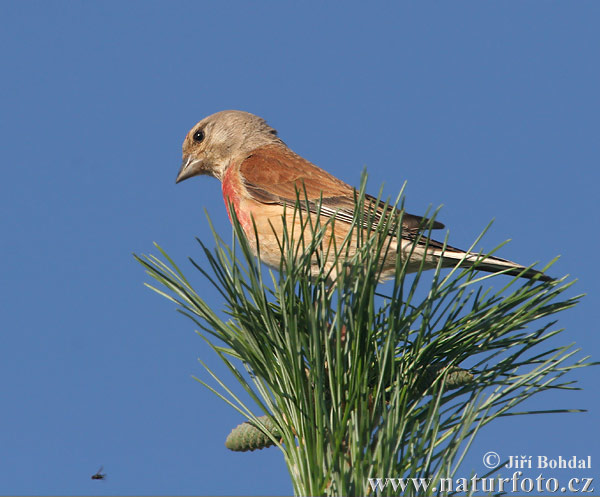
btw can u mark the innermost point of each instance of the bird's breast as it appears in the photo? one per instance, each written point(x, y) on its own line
point(233, 190)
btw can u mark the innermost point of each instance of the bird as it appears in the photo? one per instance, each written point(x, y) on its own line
point(262, 179)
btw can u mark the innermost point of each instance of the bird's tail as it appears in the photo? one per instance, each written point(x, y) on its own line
point(491, 264)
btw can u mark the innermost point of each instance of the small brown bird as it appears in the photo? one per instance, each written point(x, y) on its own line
point(99, 475)
point(260, 176)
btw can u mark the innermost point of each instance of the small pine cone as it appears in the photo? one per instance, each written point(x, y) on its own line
point(248, 436)
point(455, 377)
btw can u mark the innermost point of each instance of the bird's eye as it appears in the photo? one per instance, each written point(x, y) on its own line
point(199, 136)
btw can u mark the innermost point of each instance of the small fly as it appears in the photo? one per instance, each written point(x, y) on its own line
point(99, 474)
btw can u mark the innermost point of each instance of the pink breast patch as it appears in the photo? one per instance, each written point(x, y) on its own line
point(232, 189)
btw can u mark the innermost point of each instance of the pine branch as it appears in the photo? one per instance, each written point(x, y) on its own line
point(354, 384)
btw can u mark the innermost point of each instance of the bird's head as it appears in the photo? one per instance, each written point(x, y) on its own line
point(221, 139)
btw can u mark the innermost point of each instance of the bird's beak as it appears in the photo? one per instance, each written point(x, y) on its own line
point(189, 167)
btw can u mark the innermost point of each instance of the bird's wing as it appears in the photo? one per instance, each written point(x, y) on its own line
point(275, 175)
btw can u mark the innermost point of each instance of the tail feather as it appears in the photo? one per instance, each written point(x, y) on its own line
point(490, 264)
point(518, 270)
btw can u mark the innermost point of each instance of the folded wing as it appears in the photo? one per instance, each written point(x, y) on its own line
point(275, 175)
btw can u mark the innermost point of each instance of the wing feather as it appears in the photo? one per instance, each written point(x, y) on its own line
point(275, 175)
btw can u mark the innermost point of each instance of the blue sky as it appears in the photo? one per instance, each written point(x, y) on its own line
point(490, 109)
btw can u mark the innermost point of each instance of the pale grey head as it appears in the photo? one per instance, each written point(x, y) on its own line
point(220, 139)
